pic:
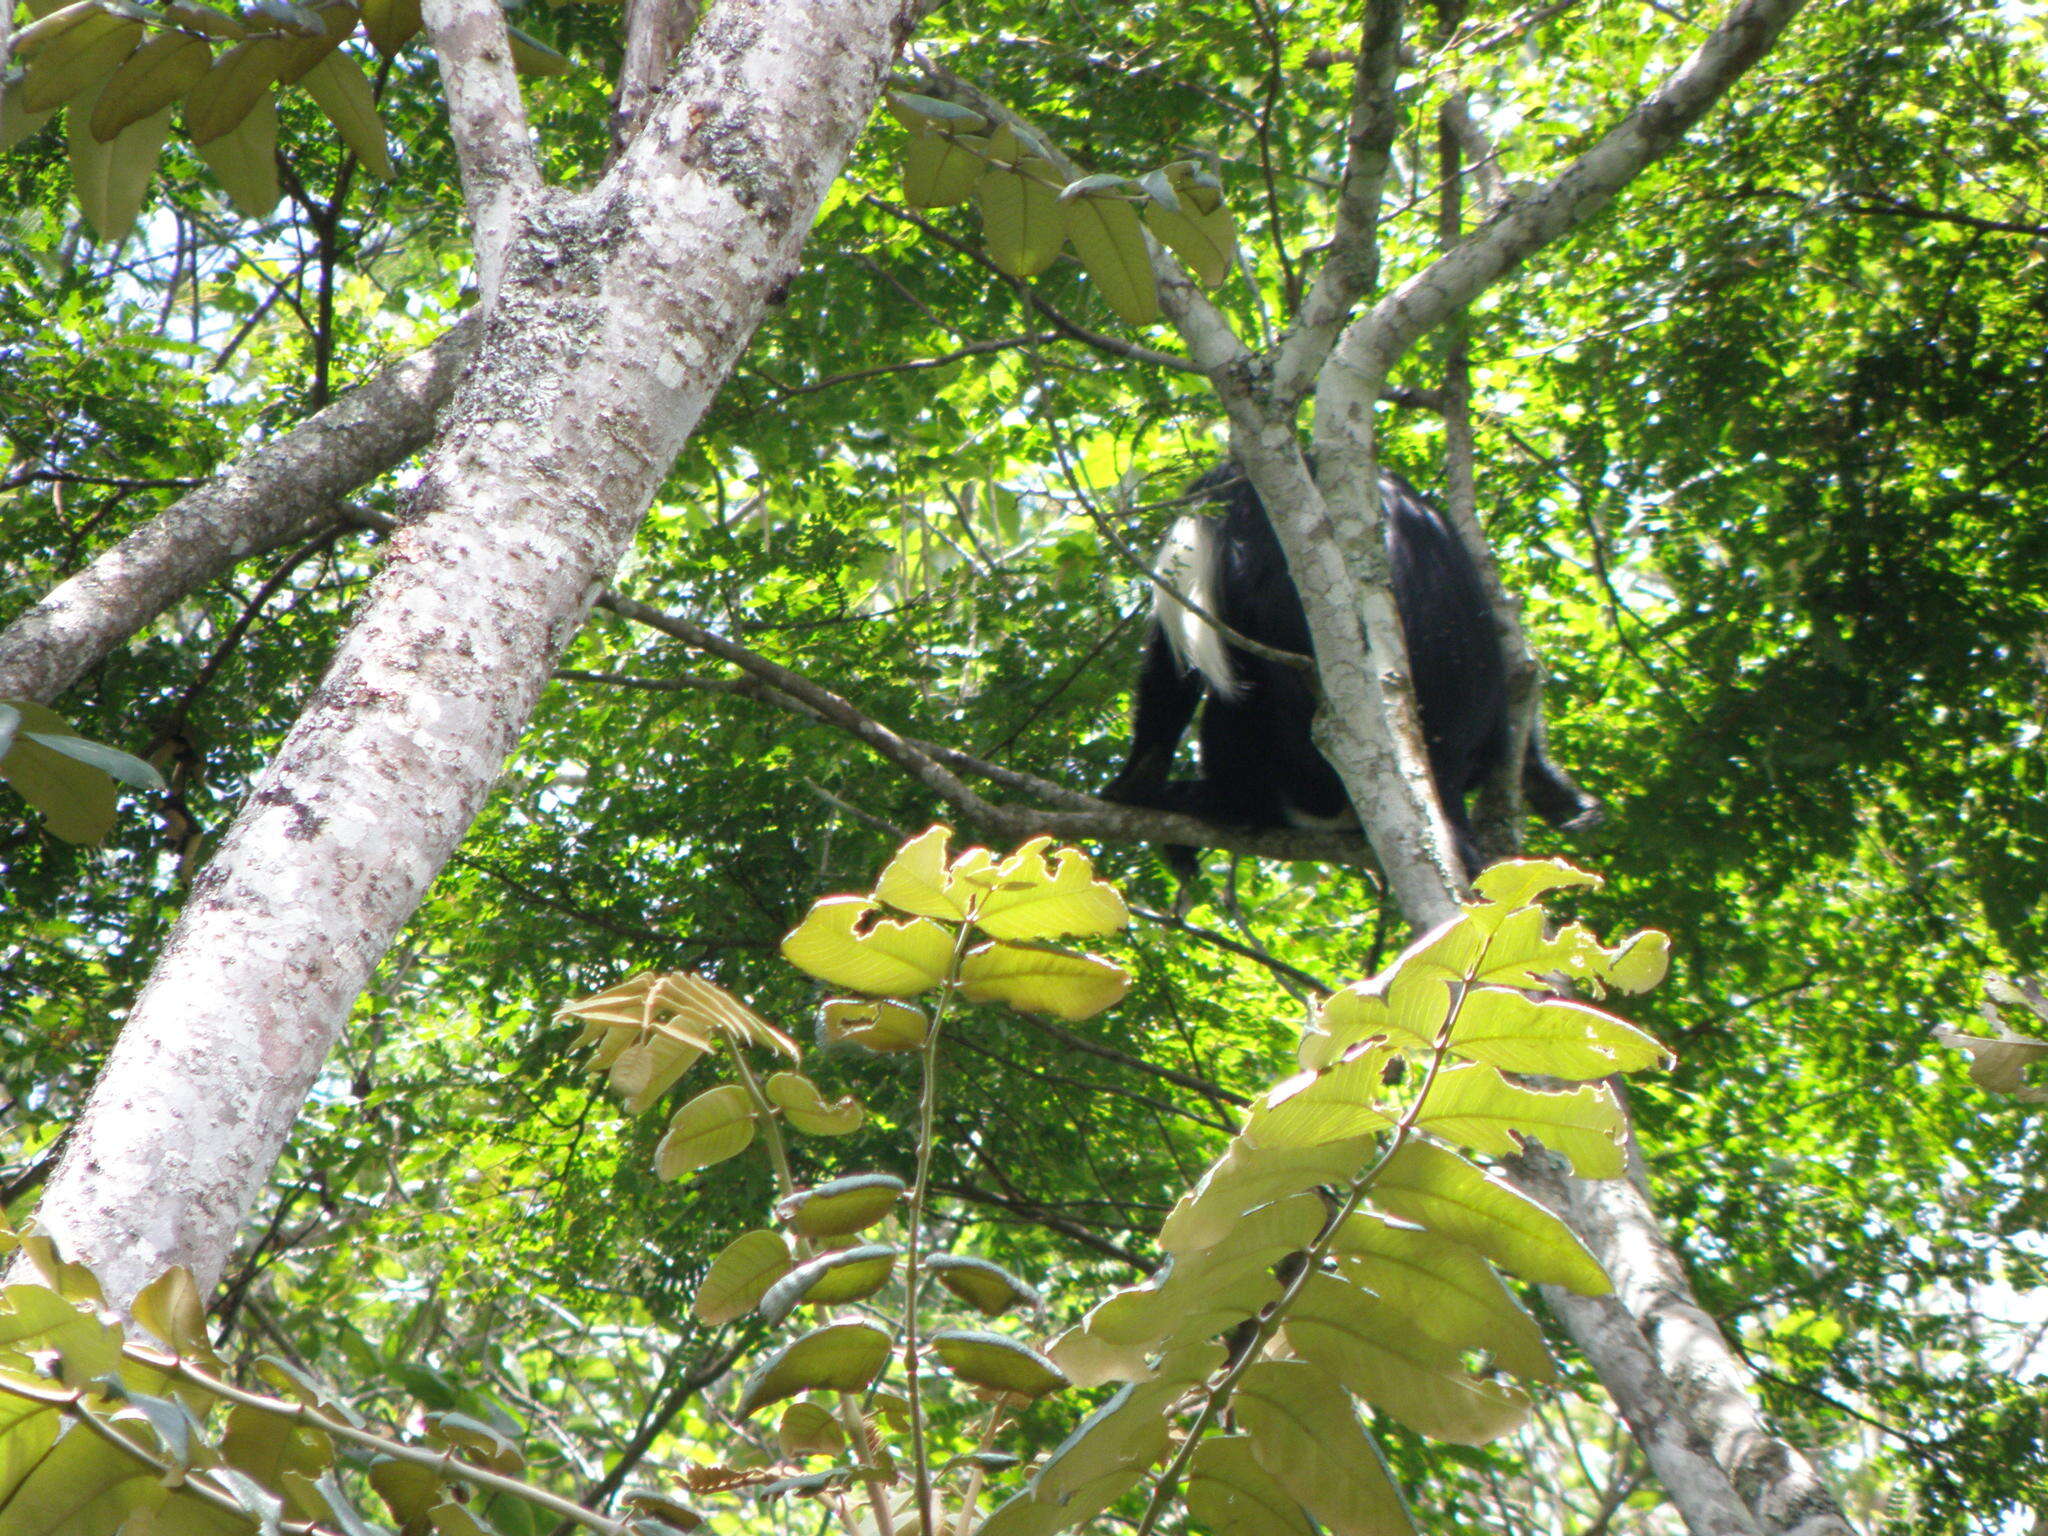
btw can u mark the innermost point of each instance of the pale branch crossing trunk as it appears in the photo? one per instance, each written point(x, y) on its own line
point(272, 494)
point(622, 310)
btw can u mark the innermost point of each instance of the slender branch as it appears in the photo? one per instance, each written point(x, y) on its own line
point(1352, 265)
point(487, 119)
point(284, 489)
point(656, 31)
point(1371, 345)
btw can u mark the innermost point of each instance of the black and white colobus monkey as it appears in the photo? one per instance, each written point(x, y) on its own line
point(1258, 767)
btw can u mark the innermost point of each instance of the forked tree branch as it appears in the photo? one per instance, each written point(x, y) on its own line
point(487, 119)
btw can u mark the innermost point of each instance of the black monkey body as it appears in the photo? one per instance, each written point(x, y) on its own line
point(1258, 765)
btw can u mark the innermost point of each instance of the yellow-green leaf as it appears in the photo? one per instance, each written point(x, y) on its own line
point(806, 1108)
point(391, 23)
point(941, 169)
point(1111, 245)
point(193, 17)
point(234, 87)
point(153, 77)
point(876, 1024)
point(915, 880)
point(83, 54)
point(841, 1207)
point(1337, 1104)
point(1548, 1036)
point(1030, 899)
point(1303, 1429)
point(337, 22)
point(1067, 986)
point(1230, 1494)
point(1476, 1107)
point(1419, 1381)
point(646, 1069)
point(715, 1125)
point(244, 159)
point(1021, 220)
point(740, 1276)
point(531, 56)
point(1436, 1188)
point(1246, 1177)
point(830, 1280)
point(840, 1357)
point(16, 121)
point(1445, 1288)
point(75, 798)
point(1517, 882)
point(808, 1429)
point(996, 1362)
point(920, 112)
point(1207, 242)
point(892, 957)
point(988, 1288)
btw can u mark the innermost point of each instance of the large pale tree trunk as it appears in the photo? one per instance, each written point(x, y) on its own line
point(618, 314)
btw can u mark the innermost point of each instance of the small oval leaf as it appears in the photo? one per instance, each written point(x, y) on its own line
point(842, 1207)
point(997, 1362)
point(806, 1108)
point(831, 1280)
point(741, 1275)
point(713, 1126)
point(988, 1288)
point(840, 1357)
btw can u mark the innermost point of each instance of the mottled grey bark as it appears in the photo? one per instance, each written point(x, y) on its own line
point(621, 312)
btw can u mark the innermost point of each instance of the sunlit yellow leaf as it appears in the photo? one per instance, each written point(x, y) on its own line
point(1067, 986)
point(915, 880)
point(846, 941)
point(1476, 1107)
point(1436, 1188)
point(1021, 221)
point(807, 1109)
point(1029, 899)
point(877, 1024)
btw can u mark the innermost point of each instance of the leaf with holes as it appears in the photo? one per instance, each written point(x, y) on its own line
point(804, 1107)
point(846, 941)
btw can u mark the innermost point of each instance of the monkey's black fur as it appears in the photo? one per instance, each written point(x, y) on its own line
point(1258, 767)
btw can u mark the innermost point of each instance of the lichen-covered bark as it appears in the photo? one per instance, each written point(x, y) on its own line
point(621, 312)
